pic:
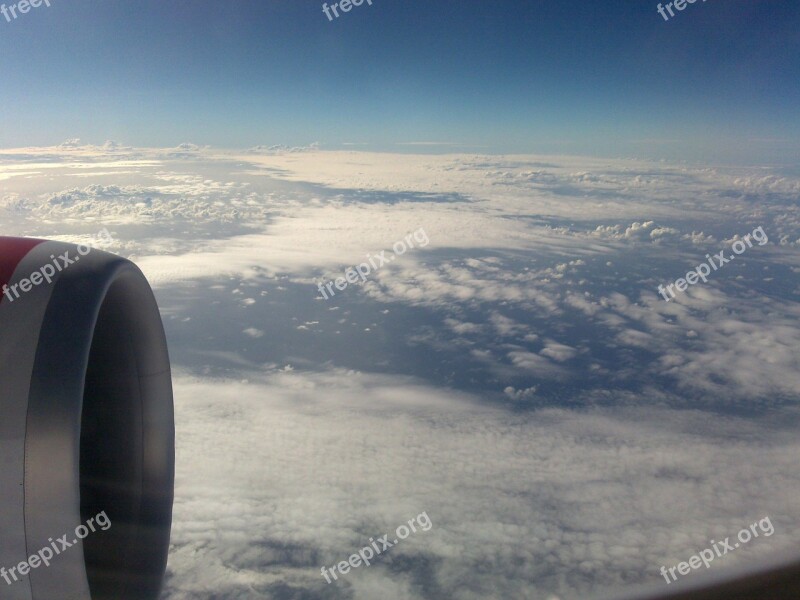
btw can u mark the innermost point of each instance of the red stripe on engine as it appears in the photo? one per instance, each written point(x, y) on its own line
point(12, 251)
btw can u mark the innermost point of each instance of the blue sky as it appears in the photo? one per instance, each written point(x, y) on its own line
point(720, 81)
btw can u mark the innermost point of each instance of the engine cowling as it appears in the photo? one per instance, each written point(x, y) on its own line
point(87, 434)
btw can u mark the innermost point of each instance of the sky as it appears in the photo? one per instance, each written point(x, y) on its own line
point(720, 81)
point(518, 377)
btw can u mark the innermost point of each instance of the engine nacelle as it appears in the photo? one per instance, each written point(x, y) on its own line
point(87, 433)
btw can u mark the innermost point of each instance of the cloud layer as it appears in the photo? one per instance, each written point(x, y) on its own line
point(519, 378)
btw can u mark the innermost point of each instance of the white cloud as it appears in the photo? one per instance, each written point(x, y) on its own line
point(305, 468)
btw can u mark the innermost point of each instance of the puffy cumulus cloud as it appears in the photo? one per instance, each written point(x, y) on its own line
point(505, 326)
point(454, 281)
point(558, 352)
point(739, 348)
point(462, 328)
point(189, 147)
point(700, 239)
point(77, 143)
point(647, 231)
point(520, 395)
point(70, 143)
point(726, 350)
point(191, 199)
point(767, 184)
point(582, 302)
point(113, 146)
point(282, 149)
point(540, 365)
